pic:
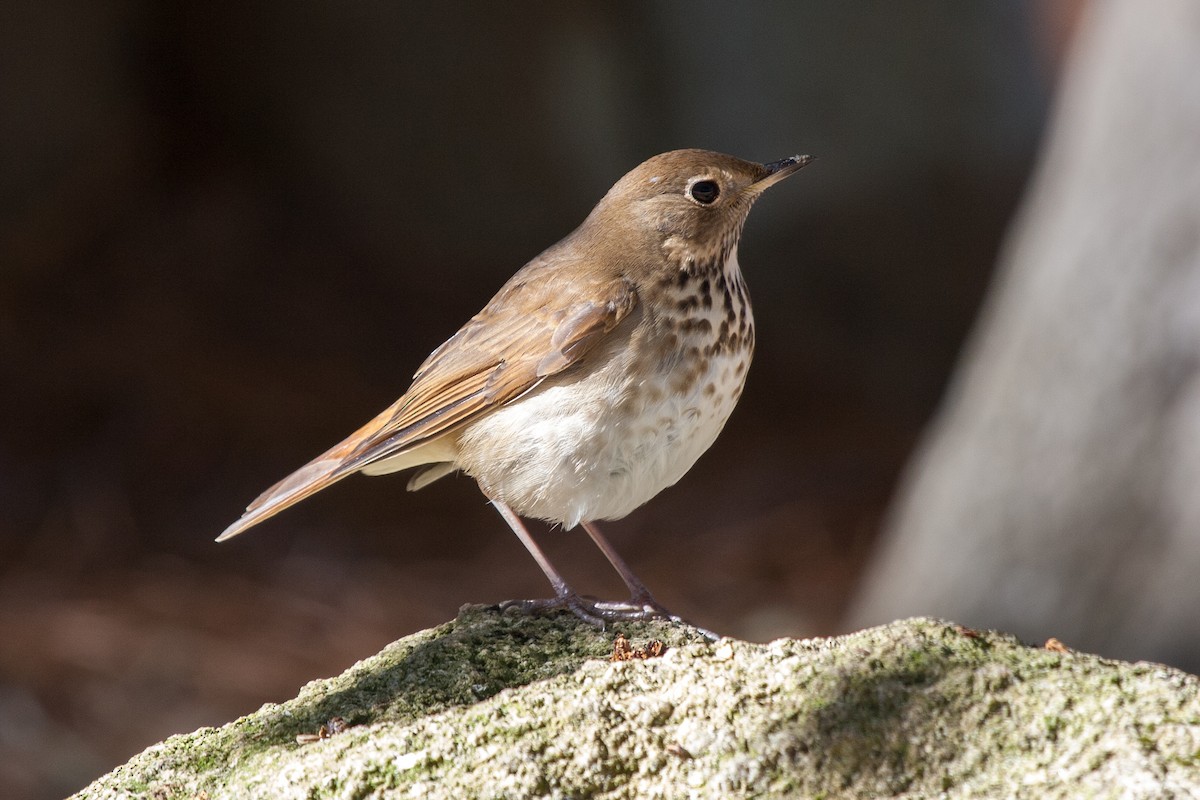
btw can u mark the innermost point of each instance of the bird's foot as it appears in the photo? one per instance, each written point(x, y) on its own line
point(639, 608)
point(642, 608)
point(572, 602)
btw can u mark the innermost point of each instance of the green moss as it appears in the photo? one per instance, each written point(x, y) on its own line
point(506, 706)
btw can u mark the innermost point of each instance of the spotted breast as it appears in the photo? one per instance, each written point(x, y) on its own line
point(596, 447)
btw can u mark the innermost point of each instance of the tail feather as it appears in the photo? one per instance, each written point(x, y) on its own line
point(323, 471)
point(355, 454)
point(304, 482)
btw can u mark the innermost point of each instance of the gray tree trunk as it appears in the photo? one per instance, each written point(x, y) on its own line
point(1058, 494)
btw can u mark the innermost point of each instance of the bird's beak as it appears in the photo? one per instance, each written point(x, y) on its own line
point(778, 170)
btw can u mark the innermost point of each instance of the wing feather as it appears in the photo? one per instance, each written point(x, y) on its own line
point(497, 356)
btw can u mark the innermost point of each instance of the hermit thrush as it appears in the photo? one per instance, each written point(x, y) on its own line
point(596, 376)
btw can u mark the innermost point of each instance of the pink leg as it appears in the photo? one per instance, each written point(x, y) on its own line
point(637, 590)
point(642, 604)
point(561, 589)
point(564, 595)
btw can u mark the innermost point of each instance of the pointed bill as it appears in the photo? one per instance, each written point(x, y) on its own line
point(778, 170)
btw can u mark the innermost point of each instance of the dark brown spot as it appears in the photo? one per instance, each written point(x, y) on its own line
point(710, 389)
point(682, 382)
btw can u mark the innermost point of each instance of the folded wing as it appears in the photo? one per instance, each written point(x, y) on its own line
point(526, 334)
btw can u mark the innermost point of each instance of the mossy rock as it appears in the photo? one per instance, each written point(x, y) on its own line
point(502, 705)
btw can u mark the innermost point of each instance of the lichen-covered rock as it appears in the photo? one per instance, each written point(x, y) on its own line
point(495, 705)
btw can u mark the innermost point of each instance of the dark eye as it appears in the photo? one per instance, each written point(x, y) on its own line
point(704, 192)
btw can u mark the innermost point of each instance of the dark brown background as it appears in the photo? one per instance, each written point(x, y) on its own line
point(230, 231)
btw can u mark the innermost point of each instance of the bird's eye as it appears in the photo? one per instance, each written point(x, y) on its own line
point(704, 192)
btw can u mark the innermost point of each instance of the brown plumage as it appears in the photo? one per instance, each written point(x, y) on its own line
point(566, 397)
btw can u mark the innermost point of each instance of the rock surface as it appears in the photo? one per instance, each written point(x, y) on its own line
point(495, 705)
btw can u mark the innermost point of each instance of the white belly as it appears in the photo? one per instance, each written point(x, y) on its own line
point(598, 448)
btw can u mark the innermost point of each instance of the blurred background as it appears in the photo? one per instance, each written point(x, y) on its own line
point(229, 232)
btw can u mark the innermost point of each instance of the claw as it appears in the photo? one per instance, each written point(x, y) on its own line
point(600, 612)
point(569, 602)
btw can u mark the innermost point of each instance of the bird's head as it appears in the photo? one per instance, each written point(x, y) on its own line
point(693, 202)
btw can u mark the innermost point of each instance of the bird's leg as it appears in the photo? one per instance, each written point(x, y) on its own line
point(642, 604)
point(564, 595)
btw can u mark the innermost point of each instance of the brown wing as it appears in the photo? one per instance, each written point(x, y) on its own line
point(524, 335)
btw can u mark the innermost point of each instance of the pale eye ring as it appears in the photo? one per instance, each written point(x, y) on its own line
point(704, 192)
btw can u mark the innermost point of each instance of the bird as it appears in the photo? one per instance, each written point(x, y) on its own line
point(594, 379)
